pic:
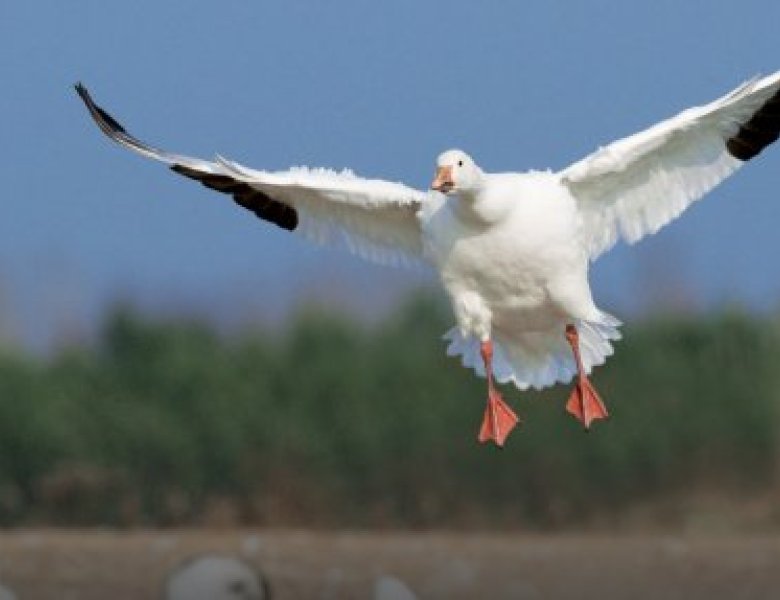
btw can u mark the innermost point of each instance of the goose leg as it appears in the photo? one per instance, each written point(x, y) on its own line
point(584, 402)
point(499, 419)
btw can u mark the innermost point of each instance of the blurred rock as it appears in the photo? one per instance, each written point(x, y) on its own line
point(216, 578)
point(6, 594)
point(390, 588)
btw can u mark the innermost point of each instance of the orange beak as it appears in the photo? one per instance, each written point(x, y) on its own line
point(443, 182)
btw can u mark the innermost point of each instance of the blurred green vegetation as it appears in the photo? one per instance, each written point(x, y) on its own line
point(330, 424)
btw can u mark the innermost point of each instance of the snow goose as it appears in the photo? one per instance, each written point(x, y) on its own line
point(513, 249)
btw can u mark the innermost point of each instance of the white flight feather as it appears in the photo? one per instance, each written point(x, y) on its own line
point(373, 218)
point(635, 186)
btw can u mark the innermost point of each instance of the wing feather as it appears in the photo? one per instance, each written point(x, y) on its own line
point(635, 186)
point(375, 219)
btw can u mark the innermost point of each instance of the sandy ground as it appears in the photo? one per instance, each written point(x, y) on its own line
point(47, 564)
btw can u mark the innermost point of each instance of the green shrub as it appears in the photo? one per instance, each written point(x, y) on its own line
point(328, 423)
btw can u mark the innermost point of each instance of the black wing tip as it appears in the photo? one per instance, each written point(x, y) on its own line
point(84, 94)
point(758, 132)
point(185, 171)
point(262, 205)
point(106, 122)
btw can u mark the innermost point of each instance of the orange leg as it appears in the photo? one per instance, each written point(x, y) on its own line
point(584, 402)
point(499, 419)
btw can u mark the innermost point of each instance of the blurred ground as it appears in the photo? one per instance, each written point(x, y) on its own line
point(94, 564)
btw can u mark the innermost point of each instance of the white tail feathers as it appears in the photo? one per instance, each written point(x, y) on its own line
point(539, 359)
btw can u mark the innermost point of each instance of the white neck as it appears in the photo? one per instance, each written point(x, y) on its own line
point(466, 204)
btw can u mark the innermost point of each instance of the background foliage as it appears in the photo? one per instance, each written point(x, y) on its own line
point(328, 424)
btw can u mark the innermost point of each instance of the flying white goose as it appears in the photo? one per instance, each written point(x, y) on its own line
point(513, 249)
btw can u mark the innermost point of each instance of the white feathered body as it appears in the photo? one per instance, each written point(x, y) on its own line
point(512, 261)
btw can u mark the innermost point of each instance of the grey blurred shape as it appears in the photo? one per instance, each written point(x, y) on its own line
point(213, 577)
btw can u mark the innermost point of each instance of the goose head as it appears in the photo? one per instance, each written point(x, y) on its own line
point(456, 172)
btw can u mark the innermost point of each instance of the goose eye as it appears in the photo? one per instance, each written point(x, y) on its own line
point(460, 163)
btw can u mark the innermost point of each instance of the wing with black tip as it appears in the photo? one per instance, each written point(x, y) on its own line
point(375, 219)
point(635, 186)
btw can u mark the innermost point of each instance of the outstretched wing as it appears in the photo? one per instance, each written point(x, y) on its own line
point(375, 219)
point(636, 185)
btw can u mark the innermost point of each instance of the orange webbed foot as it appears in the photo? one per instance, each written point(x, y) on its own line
point(585, 403)
point(498, 421)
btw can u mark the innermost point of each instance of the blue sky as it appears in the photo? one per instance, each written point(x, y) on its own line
point(381, 88)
